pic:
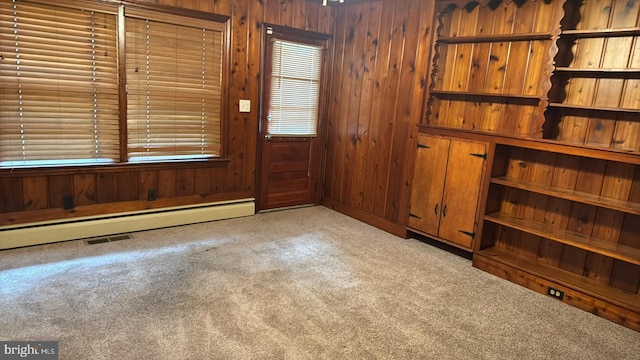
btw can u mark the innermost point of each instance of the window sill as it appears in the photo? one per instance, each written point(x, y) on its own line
point(116, 167)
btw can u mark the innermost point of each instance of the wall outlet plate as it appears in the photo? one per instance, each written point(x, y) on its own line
point(553, 292)
point(151, 194)
point(245, 105)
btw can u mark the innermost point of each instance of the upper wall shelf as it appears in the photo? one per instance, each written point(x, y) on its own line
point(632, 31)
point(484, 94)
point(594, 108)
point(627, 73)
point(493, 38)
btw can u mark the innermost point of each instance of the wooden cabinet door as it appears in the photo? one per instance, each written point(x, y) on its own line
point(428, 183)
point(462, 191)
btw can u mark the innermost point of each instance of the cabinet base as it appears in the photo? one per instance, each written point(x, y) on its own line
point(573, 297)
point(439, 239)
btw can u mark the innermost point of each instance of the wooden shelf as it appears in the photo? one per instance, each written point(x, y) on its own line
point(479, 94)
point(549, 145)
point(572, 238)
point(565, 278)
point(494, 38)
point(633, 31)
point(572, 195)
point(594, 108)
point(599, 72)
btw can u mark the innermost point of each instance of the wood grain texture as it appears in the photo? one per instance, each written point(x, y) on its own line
point(39, 194)
point(380, 73)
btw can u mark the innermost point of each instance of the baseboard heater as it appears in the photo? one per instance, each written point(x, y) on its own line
point(79, 228)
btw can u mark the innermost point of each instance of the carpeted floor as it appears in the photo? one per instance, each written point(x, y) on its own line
point(297, 284)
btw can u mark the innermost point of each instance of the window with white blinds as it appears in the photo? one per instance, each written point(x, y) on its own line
point(174, 87)
point(58, 85)
point(61, 102)
point(295, 88)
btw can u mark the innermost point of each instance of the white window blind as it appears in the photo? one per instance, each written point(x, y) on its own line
point(174, 88)
point(295, 88)
point(58, 88)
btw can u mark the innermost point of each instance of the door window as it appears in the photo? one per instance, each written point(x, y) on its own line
point(295, 88)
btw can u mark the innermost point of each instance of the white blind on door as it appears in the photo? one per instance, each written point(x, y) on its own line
point(295, 88)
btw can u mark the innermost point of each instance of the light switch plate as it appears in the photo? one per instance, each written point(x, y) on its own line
point(245, 105)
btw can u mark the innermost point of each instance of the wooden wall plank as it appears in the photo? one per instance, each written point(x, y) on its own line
point(336, 143)
point(147, 180)
point(238, 90)
point(387, 115)
point(59, 186)
point(366, 61)
point(107, 188)
point(84, 189)
point(185, 182)
point(298, 13)
point(358, 20)
point(35, 193)
point(615, 55)
point(587, 54)
point(541, 172)
point(166, 183)
point(627, 133)
point(405, 121)
point(373, 190)
point(312, 16)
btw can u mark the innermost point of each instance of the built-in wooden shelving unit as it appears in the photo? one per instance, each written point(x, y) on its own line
point(561, 197)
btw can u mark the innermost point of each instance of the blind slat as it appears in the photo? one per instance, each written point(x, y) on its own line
point(54, 108)
point(179, 68)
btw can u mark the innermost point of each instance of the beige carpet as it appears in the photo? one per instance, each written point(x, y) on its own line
point(297, 284)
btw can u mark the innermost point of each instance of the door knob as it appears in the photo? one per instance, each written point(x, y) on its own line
point(268, 137)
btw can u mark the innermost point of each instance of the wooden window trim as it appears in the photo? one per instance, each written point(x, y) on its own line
point(113, 168)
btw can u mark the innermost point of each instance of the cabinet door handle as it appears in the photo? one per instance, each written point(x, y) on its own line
point(435, 209)
point(444, 211)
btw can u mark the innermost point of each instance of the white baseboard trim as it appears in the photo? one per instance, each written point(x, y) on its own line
point(79, 228)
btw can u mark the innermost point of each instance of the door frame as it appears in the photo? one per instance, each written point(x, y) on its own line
point(303, 36)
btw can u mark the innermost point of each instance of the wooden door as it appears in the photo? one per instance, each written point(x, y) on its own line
point(291, 109)
point(428, 183)
point(289, 172)
point(462, 191)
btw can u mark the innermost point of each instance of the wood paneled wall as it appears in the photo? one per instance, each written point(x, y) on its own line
point(379, 78)
point(37, 195)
